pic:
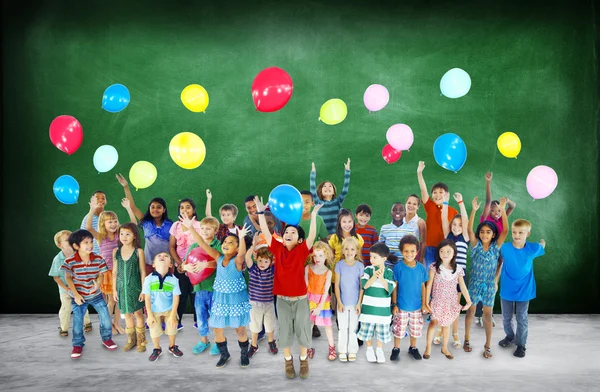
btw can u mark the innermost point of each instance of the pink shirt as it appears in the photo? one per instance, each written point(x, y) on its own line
point(498, 222)
point(184, 238)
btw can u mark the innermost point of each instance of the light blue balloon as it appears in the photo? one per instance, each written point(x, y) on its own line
point(116, 98)
point(105, 158)
point(285, 202)
point(450, 152)
point(66, 189)
point(455, 83)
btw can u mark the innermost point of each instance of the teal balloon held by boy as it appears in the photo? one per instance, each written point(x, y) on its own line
point(116, 98)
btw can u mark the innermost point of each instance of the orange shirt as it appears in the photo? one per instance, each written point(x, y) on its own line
point(435, 232)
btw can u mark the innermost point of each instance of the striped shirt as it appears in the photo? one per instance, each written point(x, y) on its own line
point(106, 250)
point(391, 235)
point(330, 208)
point(84, 275)
point(161, 289)
point(369, 235)
point(377, 301)
point(461, 249)
point(260, 286)
point(95, 226)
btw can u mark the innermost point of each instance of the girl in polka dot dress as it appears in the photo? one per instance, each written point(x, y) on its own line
point(444, 275)
point(231, 305)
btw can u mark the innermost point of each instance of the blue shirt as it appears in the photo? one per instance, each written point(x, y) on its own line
point(517, 282)
point(55, 270)
point(349, 281)
point(161, 290)
point(157, 238)
point(410, 281)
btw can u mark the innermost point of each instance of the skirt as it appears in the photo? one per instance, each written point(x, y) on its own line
point(106, 287)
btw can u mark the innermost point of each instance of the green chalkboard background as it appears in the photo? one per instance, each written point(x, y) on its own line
point(534, 72)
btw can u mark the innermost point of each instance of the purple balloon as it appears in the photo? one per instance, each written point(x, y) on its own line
point(376, 97)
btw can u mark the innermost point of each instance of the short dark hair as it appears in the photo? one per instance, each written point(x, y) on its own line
point(409, 240)
point(380, 249)
point(98, 191)
point(439, 185)
point(438, 259)
point(249, 198)
point(364, 208)
point(299, 229)
point(77, 237)
point(307, 193)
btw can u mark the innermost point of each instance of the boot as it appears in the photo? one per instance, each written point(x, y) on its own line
point(304, 368)
point(141, 339)
point(225, 357)
point(290, 372)
point(245, 361)
point(131, 339)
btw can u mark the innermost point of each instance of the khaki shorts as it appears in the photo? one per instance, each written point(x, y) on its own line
point(156, 328)
point(262, 312)
point(293, 319)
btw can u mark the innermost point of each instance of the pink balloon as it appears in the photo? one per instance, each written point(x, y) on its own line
point(198, 255)
point(66, 133)
point(376, 97)
point(389, 154)
point(541, 182)
point(400, 136)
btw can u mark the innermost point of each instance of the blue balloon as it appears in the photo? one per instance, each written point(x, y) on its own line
point(285, 202)
point(455, 83)
point(105, 158)
point(116, 98)
point(66, 189)
point(450, 152)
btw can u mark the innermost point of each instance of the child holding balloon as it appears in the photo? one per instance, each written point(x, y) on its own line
point(326, 194)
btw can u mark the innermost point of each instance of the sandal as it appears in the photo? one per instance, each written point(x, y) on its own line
point(63, 333)
point(332, 354)
point(351, 357)
point(343, 357)
point(487, 352)
point(449, 356)
point(426, 356)
point(310, 353)
point(457, 342)
point(87, 327)
point(467, 347)
point(438, 338)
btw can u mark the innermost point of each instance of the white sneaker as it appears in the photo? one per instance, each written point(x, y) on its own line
point(380, 355)
point(371, 355)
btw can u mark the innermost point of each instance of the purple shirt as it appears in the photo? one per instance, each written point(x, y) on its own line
point(260, 286)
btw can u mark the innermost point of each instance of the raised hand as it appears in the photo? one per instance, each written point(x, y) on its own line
point(260, 207)
point(122, 180)
point(475, 203)
point(126, 203)
point(458, 197)
point(255, 239)
point(503, 201)
point(446, 197)
point(316, 209)
point(243, 231)
point(347, 165)
point(543, 243)
point(421, 167)
point(488, 176)
point(313, 167)
point(187, 222)
point(93, 204)
point(208, 194)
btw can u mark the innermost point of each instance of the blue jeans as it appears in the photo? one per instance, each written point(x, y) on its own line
point(202, 305)
point(508, 309)
point(79, 311)
point(430, 256)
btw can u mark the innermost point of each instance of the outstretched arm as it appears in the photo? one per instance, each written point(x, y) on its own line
point(90, 218)
point(264, 228)
point(241, 255)
point(346, 181)
point(445, 223)
point(189, 223)
point(464, 221)
point(422, 185)
point(312, 232)
point(137, 212)
point(475, 205)
point(511, 207)
point(313, 184)
point(488, 195)
point(126, 203)
point(502, 236)
point(208, 201)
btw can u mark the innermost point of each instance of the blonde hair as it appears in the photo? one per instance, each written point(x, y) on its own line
point(210, 221)
point(104, 216)
point(323, 247)
point(60, 234)
point(522, 223)
point(353, 241)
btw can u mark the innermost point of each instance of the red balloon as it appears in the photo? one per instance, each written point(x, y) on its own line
point(389, 154)
point(272, 89)
point(198, 255)
point(66, 133)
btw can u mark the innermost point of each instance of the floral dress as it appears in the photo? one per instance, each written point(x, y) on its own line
point(483, 272)
point(231, 306)
point(444, 298)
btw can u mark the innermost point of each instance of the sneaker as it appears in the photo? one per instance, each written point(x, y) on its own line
point(343, 357)
point(109, 344)
point(478, 322)
point(87, 327)
point(175, 351)
point(76, 353)
point(371, 354)
point(395, 357)
point(157, 352)
point(195, 325)
point(380, 355)
point(163, 326)
point(179, 327)
point(252, 350)
point(316, 332)
point(505, 342)
point(214, 350)
point(428, 318)
point(261, 336)
point(310, 353)
point(360, 342)
point(493, 322)
point(519, 352)
point(273, 348)
point(147, 327)
point(200, 347)
point(415, 353)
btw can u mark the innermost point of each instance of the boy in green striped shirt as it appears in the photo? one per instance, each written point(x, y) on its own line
point(377, 285)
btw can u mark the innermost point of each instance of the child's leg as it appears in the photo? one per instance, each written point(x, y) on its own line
point(487, 323)
point(65, 311)
point(156, 329)
point(202, 304)
point(78, 312)
point(522, 322)
point(129, 323)
point(269, 322)
point(344, 330)
point(256, 321)
point(329, 334)
point(156, 342)
point(219, 335)
point(379, 344)
point(445, 336)
point(508, 308)
point(105, 325)
point(193, 301)
point(302, 326)
point(369, 343)
point(430, 333)
point(172, 340)
point(352, 327)
point(241, 333)
point(468, 321)
point(139, 319)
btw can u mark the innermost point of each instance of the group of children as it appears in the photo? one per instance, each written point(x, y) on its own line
point(377, 285)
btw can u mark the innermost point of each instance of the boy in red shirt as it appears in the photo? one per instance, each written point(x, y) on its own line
point(290, 287)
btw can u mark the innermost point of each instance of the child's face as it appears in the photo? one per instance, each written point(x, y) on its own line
point(363, 218)
point(186, 209)
point(456, 226)
point(307, 204)
point(319, 257)
point(290, 237)
point(230, 246)
point(156, 210)
point(412, 205)
point(486, 235)
point(85, 247)
point(349, 252)
point(126, 237)
point(409, 252)
point(111, 225)
point(437, 195)
point(495, 211)
point(347, 223)
point(398, 212)
point(446, 254)
point(100, 199)
point(162, 262)
point(263, 263)
point(520, 234)
point(327, 190)
point(250, 207)
point(207, 232)
point(227, 217)
point(63, 244)
point(377, 260)
point(270, 223)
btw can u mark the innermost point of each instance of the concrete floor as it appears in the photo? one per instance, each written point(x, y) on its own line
point(563, 354)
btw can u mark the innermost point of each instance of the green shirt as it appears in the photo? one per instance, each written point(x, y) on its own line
point(206, 284)
point(322, 232)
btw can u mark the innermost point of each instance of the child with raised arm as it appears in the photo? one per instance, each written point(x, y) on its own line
point(100, 198)
point(485, 271)
point(228, 214)
point(392, 233)
point(289, 285)
point(367, 232)
point(61, 240)
point(326, 195)
point(307, 204)
point(433, 209)
point(517, 284)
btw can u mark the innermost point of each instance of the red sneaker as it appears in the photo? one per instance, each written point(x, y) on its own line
point(109, 344)
point(76, 353)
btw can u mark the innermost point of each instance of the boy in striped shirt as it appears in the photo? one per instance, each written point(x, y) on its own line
point(377, 284)
point(392, 233)
point(368, 233)
point(84, 272)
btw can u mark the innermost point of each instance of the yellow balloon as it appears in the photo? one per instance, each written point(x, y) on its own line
point(195, 98)
point(333, 111)
point(187, 150)
point(509, 144)
point(142, 174)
